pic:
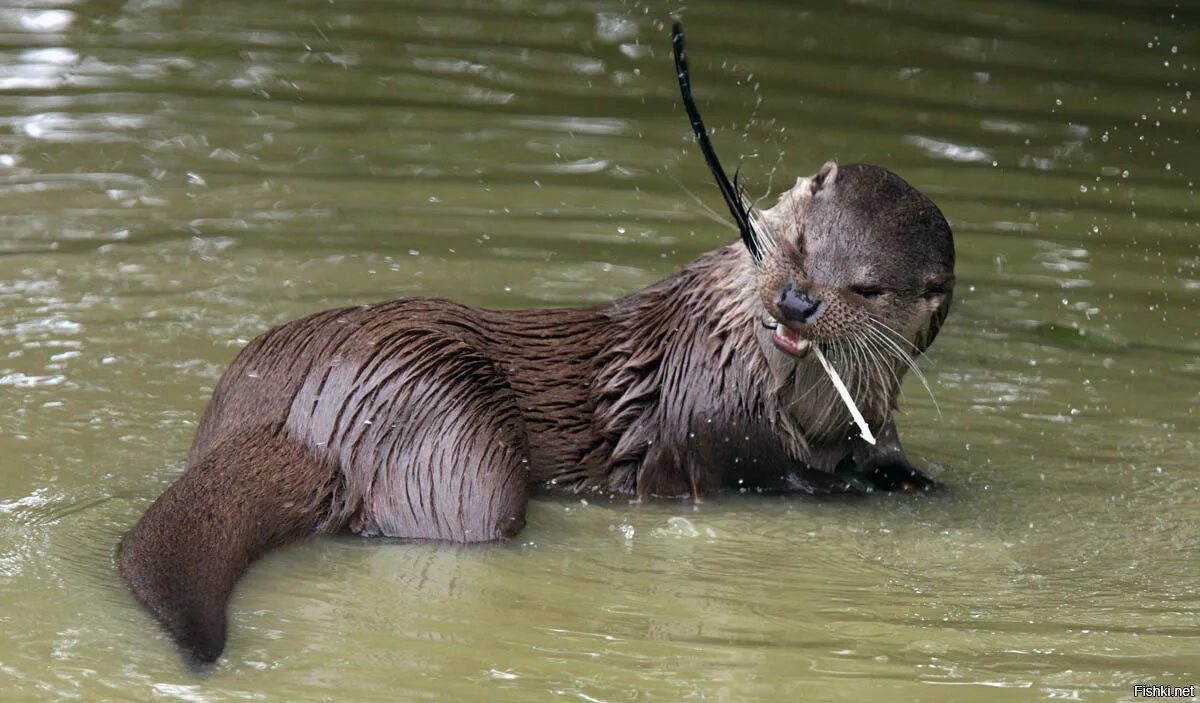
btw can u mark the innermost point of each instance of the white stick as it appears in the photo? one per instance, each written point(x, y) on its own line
point(863, 429)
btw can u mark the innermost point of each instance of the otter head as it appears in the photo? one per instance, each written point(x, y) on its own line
point(854, 257)
point(851, 256)
point(853, 260)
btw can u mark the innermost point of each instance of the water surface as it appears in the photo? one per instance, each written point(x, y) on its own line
point(177, 176)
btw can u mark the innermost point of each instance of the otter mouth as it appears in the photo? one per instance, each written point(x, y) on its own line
point(790, 342)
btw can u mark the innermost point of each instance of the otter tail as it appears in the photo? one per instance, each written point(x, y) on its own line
point(247, 495)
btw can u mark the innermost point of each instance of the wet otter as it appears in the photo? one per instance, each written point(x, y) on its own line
point(423, 418)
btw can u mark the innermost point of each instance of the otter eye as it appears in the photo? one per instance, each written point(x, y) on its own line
point(934, 291)
point(868, 292)
point(939, 286)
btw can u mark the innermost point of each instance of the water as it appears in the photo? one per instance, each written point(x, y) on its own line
point(177, 176)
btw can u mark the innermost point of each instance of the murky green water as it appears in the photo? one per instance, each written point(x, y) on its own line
point(177, 176)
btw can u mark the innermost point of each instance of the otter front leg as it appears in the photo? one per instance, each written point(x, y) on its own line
point(883, 467)
point(896, 474)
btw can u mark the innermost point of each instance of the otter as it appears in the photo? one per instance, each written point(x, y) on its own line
point(426, 419)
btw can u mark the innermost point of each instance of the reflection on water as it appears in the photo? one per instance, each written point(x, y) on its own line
point(175, 177)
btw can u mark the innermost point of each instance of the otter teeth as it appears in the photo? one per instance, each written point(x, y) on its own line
point(792, 342)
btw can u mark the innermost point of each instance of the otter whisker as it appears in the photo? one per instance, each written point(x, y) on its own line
point(871, 375)
point(878, 368)
point(888, 344)
point(762, 233)
point(903, 355)
point(907, 358)
point(908, 361)
point(863, 428)
point(854, 368)
point(759, 231)
point(825, 416)
point(881, 356)
point(892, 331)
point(797, 400)
point(891, 337)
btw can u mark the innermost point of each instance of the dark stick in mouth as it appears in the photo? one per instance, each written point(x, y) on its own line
point(731, 193)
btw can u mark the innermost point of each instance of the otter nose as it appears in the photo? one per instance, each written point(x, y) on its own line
point(796, 306)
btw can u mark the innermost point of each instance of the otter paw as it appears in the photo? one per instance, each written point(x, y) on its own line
point(897, 476)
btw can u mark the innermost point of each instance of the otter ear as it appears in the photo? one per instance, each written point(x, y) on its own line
point(825, 177)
